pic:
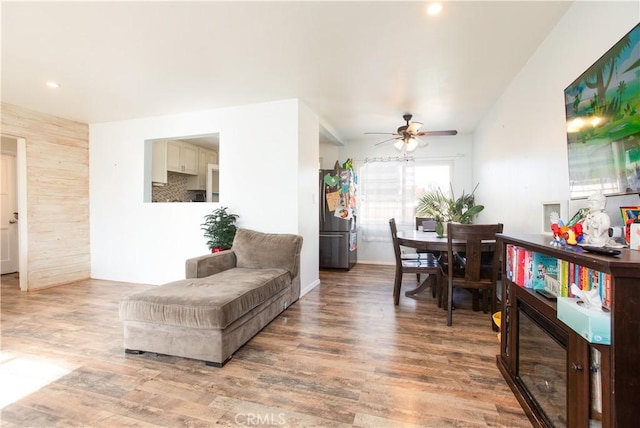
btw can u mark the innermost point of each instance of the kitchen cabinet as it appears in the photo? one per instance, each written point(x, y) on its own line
point(182, 157)
point(205, 157)
point(174, 156)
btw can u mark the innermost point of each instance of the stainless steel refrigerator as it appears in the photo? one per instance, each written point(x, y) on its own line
point(338, 237)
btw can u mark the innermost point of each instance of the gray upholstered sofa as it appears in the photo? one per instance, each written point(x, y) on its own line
point(226, 299)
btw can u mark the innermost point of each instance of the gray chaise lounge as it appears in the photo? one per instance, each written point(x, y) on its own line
point(226, 299)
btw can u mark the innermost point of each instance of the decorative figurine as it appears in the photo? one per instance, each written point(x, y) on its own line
point(564, 235)
point(597, 222)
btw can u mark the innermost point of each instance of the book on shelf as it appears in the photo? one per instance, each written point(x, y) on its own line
point(544, 266)
point(520, 253)
point(531, 269)
point(509, 260)
point(563, 276)
point(521, 267)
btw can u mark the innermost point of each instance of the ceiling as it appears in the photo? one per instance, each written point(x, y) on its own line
point(359, 65)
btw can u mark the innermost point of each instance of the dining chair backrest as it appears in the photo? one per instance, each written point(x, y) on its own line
point(473, 235)
point(480, 263)
point(394, 239)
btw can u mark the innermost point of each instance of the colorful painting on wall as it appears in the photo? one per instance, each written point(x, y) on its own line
point(603, 123)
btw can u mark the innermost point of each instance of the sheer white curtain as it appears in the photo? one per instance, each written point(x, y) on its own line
point(391, 190)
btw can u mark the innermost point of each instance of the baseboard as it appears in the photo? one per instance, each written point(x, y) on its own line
point(309, 287)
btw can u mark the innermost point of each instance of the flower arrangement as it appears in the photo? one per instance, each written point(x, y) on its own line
point(443, 208)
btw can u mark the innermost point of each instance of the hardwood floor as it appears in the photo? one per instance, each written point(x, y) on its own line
point(343, 355)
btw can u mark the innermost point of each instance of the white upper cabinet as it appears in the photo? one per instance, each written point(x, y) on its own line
point(182, 157)
point(174, 156)
point(159, 162)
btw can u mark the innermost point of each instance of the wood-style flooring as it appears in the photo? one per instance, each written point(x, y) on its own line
point(343, 355)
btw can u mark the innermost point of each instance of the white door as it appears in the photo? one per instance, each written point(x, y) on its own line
point(9, 215)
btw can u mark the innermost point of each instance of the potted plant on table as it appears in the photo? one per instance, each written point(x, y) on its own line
point(219, 229)
point(444, 209)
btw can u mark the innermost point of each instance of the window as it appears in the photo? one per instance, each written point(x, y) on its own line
point(392, 189)
point(182, 169)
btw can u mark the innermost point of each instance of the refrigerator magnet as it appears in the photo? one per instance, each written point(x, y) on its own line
point(343, 212)
point(333, 200)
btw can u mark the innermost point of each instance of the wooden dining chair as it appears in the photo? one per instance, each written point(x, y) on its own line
point(479, 267)
point(418, 263)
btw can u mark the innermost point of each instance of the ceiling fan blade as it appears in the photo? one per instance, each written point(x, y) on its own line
point(405, 135)
point(386, 141)
point(437, 133)
point(414, 127)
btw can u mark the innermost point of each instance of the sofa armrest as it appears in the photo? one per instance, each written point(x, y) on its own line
point(210, 264)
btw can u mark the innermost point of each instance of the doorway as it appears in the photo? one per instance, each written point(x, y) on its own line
point(9, 205)
point(12, 201)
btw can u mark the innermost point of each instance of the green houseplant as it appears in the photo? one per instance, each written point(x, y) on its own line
point(443, 208)
point(219, 228)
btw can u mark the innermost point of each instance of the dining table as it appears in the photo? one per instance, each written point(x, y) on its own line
point(432, 243)
point(421, 240)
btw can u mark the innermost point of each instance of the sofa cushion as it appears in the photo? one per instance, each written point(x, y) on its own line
point(211, 302)
point(257, 250)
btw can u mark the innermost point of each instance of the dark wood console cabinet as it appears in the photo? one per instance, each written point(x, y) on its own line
point(617, 365)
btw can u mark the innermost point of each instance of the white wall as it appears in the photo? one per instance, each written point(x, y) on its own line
point(308, 196)
point(521, 148)
point(457, 148)
point(518, 157)
point(265, 159)
point(329, 154)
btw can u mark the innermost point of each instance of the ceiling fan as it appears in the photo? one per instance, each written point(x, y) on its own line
point(406, 137)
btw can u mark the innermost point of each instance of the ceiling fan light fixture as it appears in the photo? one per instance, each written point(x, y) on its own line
point(412, 144)
point(406, 137)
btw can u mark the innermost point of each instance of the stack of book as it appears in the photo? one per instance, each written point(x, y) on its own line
point(539, 271)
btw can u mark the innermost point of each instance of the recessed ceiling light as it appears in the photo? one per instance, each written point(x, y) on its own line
point(434, 8)
point(54, 85)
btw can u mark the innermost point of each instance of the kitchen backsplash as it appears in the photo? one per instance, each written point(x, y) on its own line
point(175, 190)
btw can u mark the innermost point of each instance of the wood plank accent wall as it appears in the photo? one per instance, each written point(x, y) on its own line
point(57, 159)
